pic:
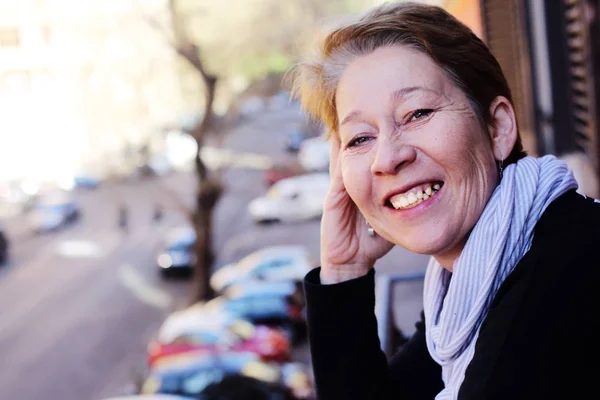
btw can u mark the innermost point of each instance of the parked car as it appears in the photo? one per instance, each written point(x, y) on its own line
point(53, 214)
point(150, 397)
point(281, 171)
point(178, 252)
point(194, 376)
point(79, 182)
point(273, 264)
point(314, 154)
point(3, 247)
point(276, 303)
point(292, 199)
point(240, 387)
point(85, 182)
point(293, 140)
point(238, 336)
point(262, 303)
point(19, 194)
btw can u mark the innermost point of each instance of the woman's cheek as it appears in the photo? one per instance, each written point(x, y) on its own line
point(357, 178)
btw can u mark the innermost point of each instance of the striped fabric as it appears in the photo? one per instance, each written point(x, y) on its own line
point(457, 303)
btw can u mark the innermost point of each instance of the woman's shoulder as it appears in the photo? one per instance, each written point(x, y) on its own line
point(565, 243)
point(572, 216)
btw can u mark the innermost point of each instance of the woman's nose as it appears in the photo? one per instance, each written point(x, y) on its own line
point(391, 156)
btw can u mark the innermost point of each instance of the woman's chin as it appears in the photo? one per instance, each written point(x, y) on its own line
point(423, 244)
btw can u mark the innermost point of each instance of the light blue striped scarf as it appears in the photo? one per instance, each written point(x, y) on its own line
point(456, 304)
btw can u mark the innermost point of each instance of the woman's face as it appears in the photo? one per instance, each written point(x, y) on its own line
point(414, 157)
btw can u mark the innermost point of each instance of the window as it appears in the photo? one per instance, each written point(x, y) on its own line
point(238, 306)
point(269, 306)
point(281, 262)
point(9, 5)
point(293, 196)
point(271, 265)
point(9, 37)
point(15, 82)
point(182, 247)
point(46, 35)
point(202, 338)
point(197, 382)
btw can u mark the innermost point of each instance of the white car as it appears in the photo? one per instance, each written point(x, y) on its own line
point(292, 199)
point(314, 154)
point(52, 215)
point(195, 318)
point(273, 264)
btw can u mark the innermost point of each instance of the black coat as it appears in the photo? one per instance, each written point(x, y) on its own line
point(540, 339)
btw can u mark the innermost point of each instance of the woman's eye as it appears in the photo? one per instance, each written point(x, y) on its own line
point(358, 141)
point(420, 114)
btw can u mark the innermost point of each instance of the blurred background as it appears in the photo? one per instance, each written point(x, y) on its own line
point(160, 193)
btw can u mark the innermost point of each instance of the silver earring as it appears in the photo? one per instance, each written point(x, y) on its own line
point(370, 231)
point(501, 167)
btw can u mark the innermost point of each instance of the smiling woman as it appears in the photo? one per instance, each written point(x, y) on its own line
point(425, 148)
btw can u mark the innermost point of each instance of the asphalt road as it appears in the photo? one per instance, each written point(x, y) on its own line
point(78, 306)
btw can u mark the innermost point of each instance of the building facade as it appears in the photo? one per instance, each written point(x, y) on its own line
point(550, 53)
point(80, 83)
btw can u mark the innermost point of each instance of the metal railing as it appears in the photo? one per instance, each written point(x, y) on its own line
point(390, 336)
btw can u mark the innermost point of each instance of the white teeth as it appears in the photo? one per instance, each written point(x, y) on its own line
point(412, 198)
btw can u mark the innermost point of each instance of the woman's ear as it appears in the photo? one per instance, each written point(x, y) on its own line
point(503, 127)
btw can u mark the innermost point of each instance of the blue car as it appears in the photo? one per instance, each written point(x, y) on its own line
point(51, 216)
point(178, 252)
point(85, 182)
point(294, 140)
point(278, 304)
point(208, 376)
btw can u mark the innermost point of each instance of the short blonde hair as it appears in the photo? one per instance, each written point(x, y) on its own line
point(454, 47)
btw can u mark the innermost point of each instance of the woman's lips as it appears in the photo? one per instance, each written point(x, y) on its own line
point(415, 196)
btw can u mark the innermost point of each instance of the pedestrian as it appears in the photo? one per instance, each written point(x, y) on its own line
point(123, 218)
point(157, 214)
point(426, 154)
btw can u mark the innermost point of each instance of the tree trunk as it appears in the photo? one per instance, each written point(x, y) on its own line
point(209, 192)
point(209, 185)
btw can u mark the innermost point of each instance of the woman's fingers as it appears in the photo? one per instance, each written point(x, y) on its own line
point(334, 151)
point(335, 164)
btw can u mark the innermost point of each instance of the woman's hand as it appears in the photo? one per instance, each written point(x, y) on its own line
point(347, 250)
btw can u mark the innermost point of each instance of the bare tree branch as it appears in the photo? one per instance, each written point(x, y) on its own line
point(190, 52)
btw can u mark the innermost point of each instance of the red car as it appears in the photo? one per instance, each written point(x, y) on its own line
point(281, 171)
point(239, 336)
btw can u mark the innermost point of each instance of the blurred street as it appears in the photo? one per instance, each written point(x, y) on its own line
point(115, 110)
point(80, 304)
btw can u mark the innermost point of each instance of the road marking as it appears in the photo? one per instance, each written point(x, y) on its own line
point(217, 158)
point(142, 289)
point(27, 278)
point(78, 249)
